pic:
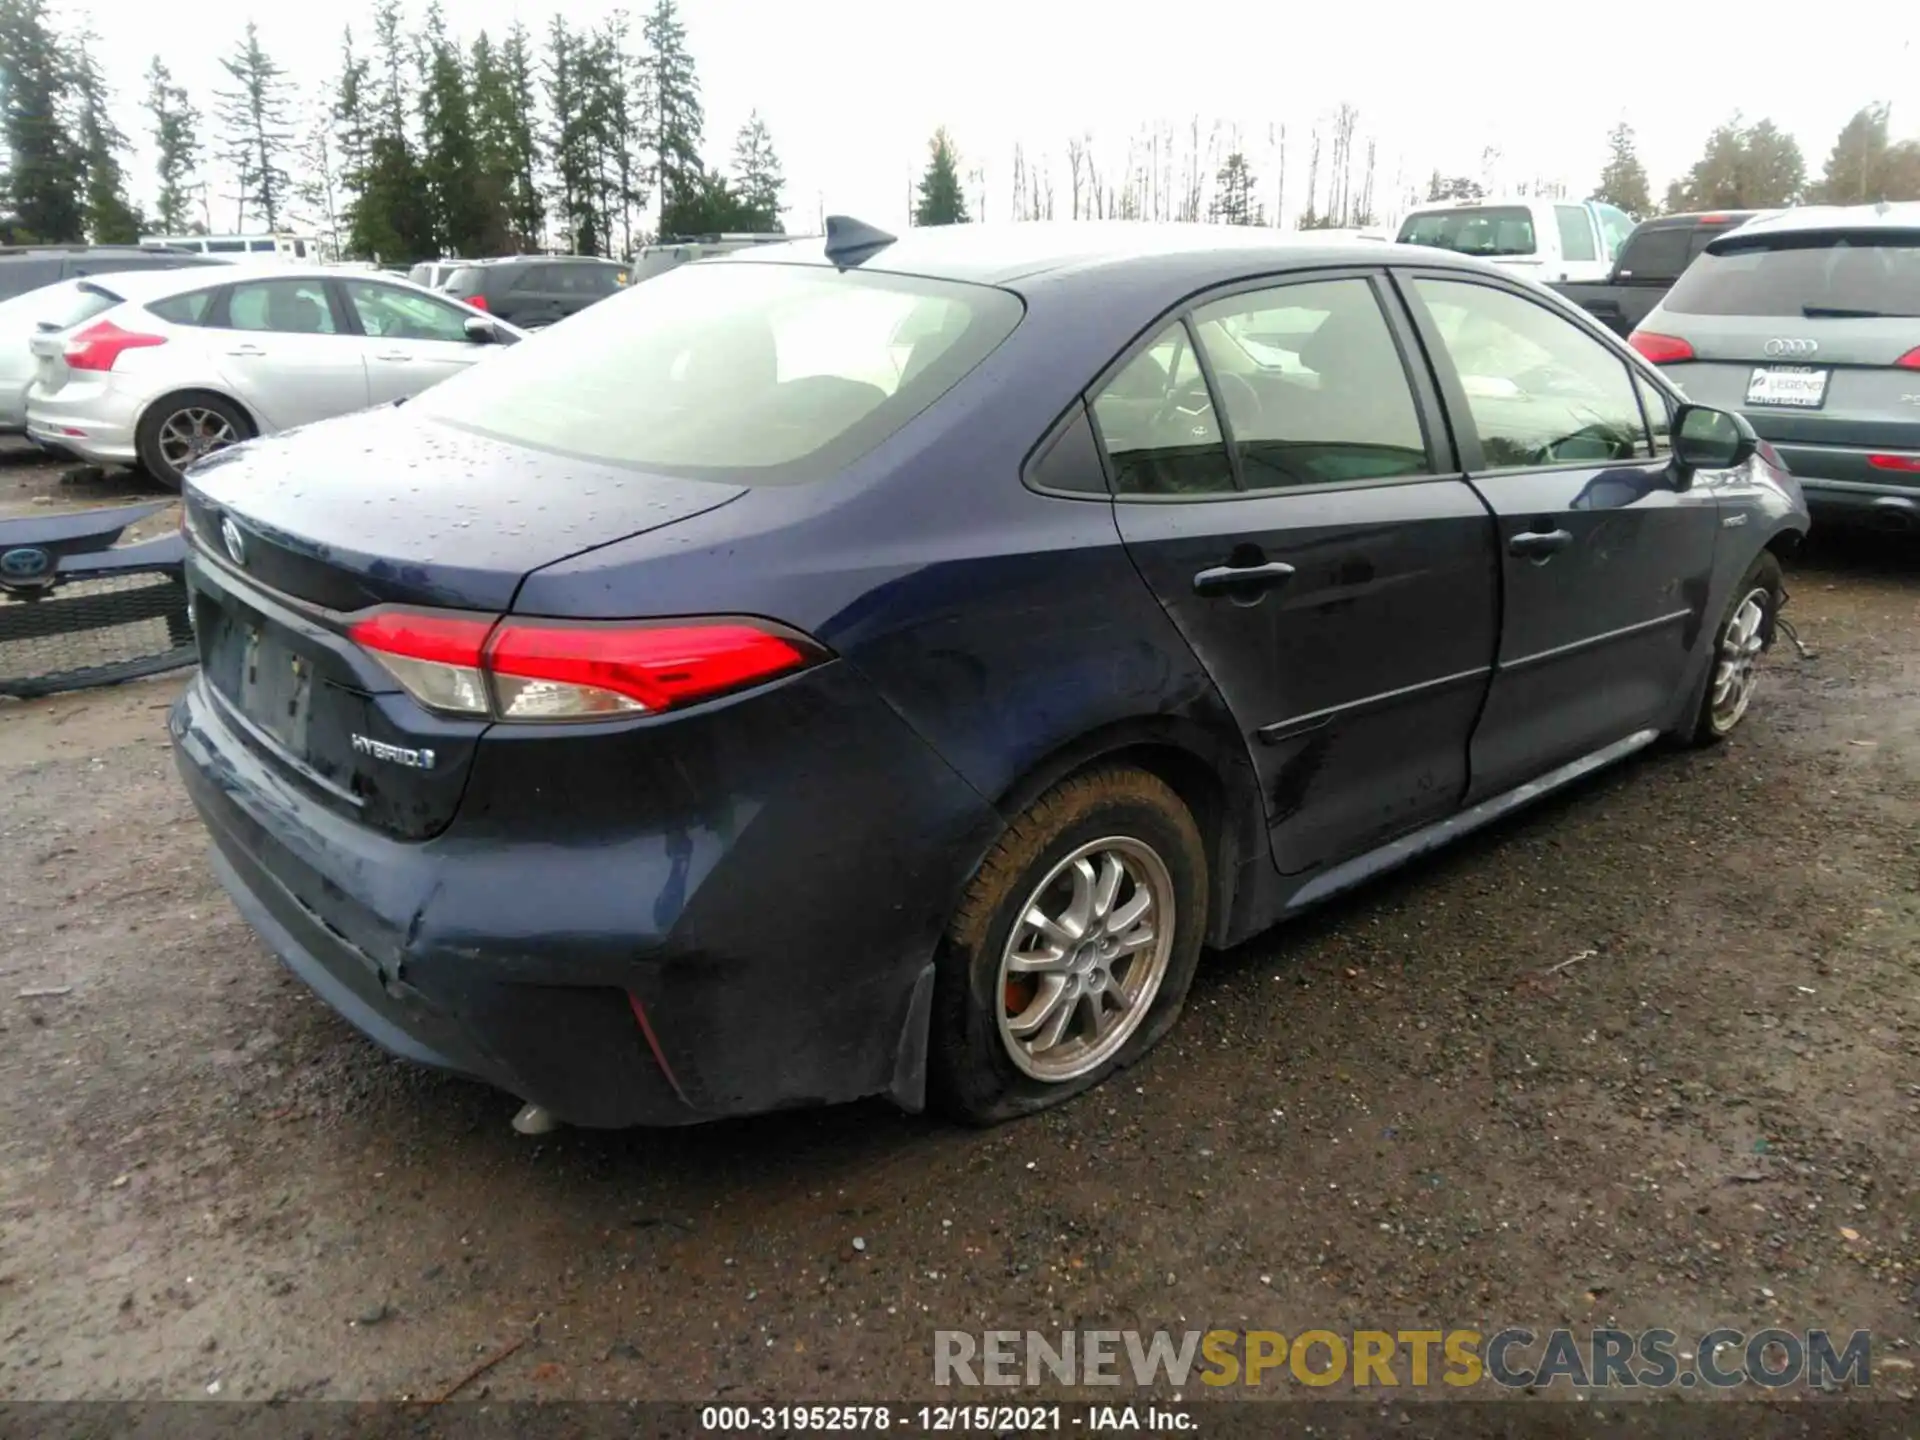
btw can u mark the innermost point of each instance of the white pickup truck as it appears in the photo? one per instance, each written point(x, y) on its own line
point(1548, 240)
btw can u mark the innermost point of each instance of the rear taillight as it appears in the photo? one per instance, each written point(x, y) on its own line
point(535, 670)
point(1901, 464)
point(478, 302)
point(1660, 349)
point(1910, 360)
point(102, 343)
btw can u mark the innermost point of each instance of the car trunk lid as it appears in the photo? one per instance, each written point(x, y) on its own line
point(295, 536)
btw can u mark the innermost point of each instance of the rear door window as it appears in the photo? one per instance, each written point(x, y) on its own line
point(1656, 257)
point(188, 309)
point(537, 280)
point(1158, 424)
point(1485, 230)
point(287, 307)
point(1322, 394)
point(1576, 232)
point(1824, 275)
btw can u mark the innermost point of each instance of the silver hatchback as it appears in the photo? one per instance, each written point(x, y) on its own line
point(1808, 323)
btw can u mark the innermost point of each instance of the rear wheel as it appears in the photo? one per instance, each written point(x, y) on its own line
point(1746, 630)
point(1072, 952)
point(179, 429)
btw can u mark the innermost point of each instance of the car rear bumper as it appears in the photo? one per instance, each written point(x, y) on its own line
point(661, 980)
point(92, 423)
point(1841, 483)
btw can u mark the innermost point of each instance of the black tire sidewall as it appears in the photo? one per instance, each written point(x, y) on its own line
point(974, 1077)
point(146, 440)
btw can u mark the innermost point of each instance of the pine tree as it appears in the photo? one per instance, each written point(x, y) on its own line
point(569, 142)
point(450, 156)
point(176, 137)
point(527, 210)
point(503, 134)
point(672, 92)
point(111, 220)
point(941, 201)
point(1757, 167)
point(1624, 180)
point(1233, 202)
point(386, 219)
point(46, 171)
point(256, 129)
point(757, 181)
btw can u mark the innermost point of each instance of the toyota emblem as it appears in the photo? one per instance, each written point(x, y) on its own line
point(1801, 348)
point(236, 543)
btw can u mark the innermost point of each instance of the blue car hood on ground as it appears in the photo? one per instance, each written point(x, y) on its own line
point(419, 510)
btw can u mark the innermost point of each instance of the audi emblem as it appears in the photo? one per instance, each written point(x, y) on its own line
point(1802, 348)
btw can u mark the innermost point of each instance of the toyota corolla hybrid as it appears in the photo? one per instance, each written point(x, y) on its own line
point(879, 667)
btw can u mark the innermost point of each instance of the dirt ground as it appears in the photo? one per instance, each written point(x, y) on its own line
point(1648, 1056)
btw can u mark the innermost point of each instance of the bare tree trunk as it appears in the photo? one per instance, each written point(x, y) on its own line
point(1076, 162)
point(1313, 177)
point(1280, 189)
point(1018, 209)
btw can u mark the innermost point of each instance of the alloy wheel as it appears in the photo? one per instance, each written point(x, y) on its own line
point(188, 434)
point(1737, 667)
point(1085, 960)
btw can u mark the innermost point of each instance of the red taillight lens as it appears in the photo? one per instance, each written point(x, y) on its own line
point(1660, 349)
point(102, 343)
point(1910, 360)
point(478, 302)
point(533, 670)
point(1903, 464)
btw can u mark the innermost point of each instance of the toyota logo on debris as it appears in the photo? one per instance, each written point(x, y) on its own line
point(1792, 347)
point(25, 562)
point(236, 543)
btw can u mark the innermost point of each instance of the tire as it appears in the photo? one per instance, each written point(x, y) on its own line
point(1117, 822)
point(153, 441)
point(1748, 634)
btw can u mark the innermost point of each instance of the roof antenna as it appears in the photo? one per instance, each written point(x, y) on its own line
point(849, 241)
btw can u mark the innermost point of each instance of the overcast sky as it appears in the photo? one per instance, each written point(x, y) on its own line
point(852, 91)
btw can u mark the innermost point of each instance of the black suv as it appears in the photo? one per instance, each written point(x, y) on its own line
point(535, 290)
point(28, 267)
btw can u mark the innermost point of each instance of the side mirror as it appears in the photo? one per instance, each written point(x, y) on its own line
point(482, 331)
point(1709, 439)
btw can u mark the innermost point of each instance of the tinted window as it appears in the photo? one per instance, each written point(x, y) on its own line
point(188, 309)
point(1071, 461)
point(765, 373)
point(1473, 230)
point(467, 280)
point(291, 307)
point(1541, 390)
point(1312, 385)
point(1656, 257)
point(19, 276)
point(226, 247)
point(538, 278)
point(597, 279)
point(1659, 413)
point(299, 249)
point(1805, 276)
point(259, 247)
point(1157, 422)
point(1576, 232)
point(388, 312)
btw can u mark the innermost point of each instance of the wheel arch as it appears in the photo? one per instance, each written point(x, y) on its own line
point(226, 396)
point(1217, 786)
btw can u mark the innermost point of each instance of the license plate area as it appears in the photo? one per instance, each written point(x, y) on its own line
point(248, 660)
point(1788, 387)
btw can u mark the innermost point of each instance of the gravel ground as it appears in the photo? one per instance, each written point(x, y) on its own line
point(1417, 1108)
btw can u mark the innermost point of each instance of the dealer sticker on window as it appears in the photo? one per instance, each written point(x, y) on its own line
point(1797, 387)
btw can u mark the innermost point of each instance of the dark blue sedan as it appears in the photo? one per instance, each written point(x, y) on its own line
point(881, 666)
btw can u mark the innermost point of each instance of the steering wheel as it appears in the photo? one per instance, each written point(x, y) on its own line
point(1193, 399)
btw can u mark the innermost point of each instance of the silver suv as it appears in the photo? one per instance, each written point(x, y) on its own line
point(1808, 323)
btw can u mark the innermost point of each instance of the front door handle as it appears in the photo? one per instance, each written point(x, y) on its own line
point(393, 355)
point(1539, 544)
point(1242, 579)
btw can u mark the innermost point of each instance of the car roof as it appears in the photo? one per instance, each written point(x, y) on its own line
point(1009, 252)
point(1692, 218)
point(159, 283)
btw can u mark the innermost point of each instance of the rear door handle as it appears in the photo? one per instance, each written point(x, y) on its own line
point(1242, 579)
point(246, 350)
point(393, 355)
point(1539, 544)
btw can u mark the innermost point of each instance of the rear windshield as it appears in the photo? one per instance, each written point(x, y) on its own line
point(467, 280)
point(421, 274)
point(757, 373)
point(1656, 257)
point(86, 300)
point(1832, 275)
point(1473, 230)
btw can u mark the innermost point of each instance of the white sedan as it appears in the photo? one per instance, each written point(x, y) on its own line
point(156, 369)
